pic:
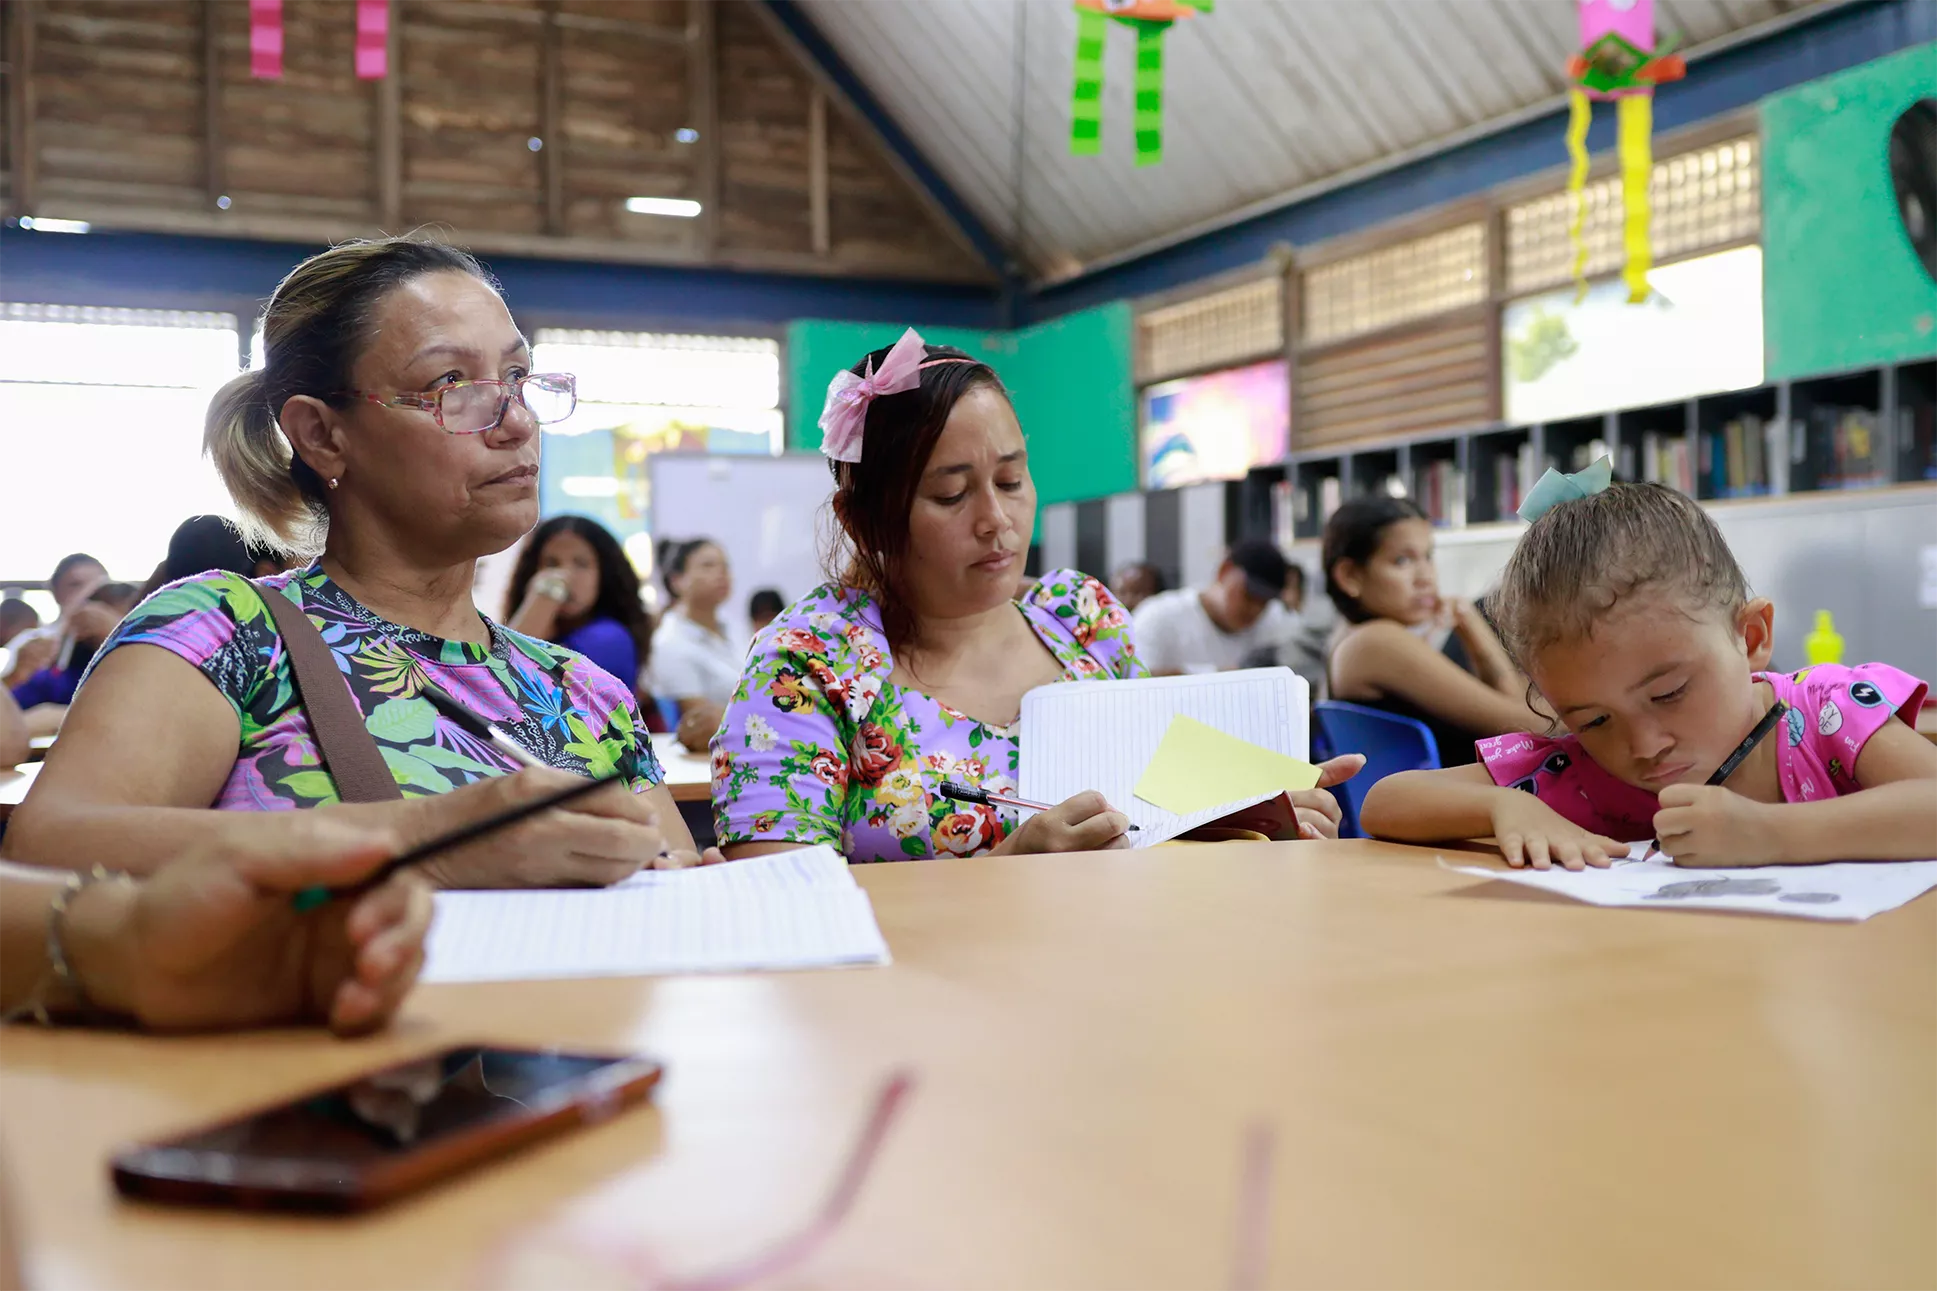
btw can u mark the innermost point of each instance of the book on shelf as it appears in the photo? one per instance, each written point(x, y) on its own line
point(1441, 492)
point(1588, 453)
point(1330, 494)
point(1285, 497)
point(1842, 448)
point(1737, 458)
point(1917, 440)
point(1665, 460)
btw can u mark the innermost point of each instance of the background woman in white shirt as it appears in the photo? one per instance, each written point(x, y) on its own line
point(694, 662)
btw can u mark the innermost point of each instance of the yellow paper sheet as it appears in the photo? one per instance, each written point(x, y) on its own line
point(1198, 766)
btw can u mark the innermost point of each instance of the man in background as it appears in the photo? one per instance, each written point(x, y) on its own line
point(1237, 619)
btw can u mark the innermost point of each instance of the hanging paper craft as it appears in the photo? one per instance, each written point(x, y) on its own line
point(372, 39)
point(265, 39)
point(1619, 61)
point(1150, 19)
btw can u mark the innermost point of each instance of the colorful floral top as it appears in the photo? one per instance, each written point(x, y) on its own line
point(818, 746)
point(569, 712)
point(1833, 712)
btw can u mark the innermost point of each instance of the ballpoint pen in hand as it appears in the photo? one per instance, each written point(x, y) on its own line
point(1735, 760)
point(989, 798)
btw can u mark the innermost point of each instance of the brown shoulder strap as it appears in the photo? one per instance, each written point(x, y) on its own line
point(349, 750)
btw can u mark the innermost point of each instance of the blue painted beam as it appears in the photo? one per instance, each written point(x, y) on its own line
point(167, 271)
point(1724, 82)
point(816, 46)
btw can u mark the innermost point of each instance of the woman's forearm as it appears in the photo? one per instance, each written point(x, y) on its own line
point(1429, 807)
point(141, 839)
point(1491, 663)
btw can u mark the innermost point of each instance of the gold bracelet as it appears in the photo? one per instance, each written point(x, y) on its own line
point(60, 974)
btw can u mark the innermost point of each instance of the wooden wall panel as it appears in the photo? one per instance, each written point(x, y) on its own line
point(763, 139)
point(123, 132)
point(871, 211)
point(118, 95)
point(1394, 383)
point(303, 143)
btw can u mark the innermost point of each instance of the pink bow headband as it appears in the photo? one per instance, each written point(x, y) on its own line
point(845, 415)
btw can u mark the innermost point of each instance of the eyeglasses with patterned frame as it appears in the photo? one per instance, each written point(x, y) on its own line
point(480, 406)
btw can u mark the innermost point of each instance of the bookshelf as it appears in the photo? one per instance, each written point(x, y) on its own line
point(1849, 430)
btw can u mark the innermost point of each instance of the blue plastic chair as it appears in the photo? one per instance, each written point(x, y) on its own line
point(1390, 743)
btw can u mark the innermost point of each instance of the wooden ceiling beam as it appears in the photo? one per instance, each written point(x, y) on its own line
point(213, 173)
point(387, 157)
point(703, 91)
point(472, 11)
point(817, 184)
point(551, 136)
point(21, 145)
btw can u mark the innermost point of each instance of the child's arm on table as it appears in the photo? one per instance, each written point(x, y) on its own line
point(1892, 818)
point(1463, 802)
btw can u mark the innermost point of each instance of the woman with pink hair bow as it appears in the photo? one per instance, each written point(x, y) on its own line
point(908, 668)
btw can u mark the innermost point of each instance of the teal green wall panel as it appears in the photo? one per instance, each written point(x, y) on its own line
point(1071, 380)
point(1842, 287)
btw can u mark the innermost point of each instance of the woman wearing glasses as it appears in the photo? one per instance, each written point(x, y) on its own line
point(390, 440)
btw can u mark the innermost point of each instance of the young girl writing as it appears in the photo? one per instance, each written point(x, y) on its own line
point(1628, 612)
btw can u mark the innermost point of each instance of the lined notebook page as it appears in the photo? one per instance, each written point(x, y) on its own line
point(789, 910)
point(1102, 734)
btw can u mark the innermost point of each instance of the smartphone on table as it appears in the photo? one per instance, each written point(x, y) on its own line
point(359, 1145)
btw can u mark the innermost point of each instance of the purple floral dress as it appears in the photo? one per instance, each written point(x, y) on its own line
point(818, 746)
point(557, 704)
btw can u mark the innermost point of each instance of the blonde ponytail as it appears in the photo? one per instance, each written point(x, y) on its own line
point(254, 460)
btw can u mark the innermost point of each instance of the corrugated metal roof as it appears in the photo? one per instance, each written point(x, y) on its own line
point(1263, 98)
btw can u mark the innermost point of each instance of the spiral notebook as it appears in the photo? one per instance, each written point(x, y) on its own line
point(1103, 735)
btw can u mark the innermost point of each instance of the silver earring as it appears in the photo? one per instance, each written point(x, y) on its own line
point(334, 481)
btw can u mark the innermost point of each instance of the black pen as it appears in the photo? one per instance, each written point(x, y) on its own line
point(310, 898)
point(1735, 760)
point(990, 798)
point(482, 729)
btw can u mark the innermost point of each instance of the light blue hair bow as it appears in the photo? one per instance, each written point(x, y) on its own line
point(1555, 488)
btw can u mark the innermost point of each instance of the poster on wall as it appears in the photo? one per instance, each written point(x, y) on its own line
point(1699, 332)
point(1216, 426)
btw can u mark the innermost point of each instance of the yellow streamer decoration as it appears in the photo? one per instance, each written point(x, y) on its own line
point(1579, 112)
point(1634, 125)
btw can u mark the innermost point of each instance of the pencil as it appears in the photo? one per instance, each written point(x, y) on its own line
point(310, 898)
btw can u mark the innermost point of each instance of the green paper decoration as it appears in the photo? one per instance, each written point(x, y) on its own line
point(1150, 19)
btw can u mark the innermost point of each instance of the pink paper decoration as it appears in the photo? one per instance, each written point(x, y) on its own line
point(265, 39)
point(372, 39)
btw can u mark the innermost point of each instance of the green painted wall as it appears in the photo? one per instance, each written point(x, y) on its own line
point(1841, 286)
point(1071, 379)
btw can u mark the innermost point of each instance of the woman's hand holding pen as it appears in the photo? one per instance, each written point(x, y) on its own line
point(1714, 827)
point(1085, 823)
point(593, 841)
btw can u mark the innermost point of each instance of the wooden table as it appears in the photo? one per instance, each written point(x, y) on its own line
point(1471, 1084)
point(690, 775)
point(14, 784)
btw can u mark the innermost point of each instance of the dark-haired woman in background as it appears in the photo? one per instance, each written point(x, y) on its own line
point(1378, 556)
point(695, 664)
point(910, 666)
point(574, 586)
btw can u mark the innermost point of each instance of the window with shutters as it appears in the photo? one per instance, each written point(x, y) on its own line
point(1409, 280)
point(1702, 200)
point(1218, 329)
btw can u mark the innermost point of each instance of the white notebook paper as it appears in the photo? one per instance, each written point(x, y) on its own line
point(788, 910)
point(1102, 734)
